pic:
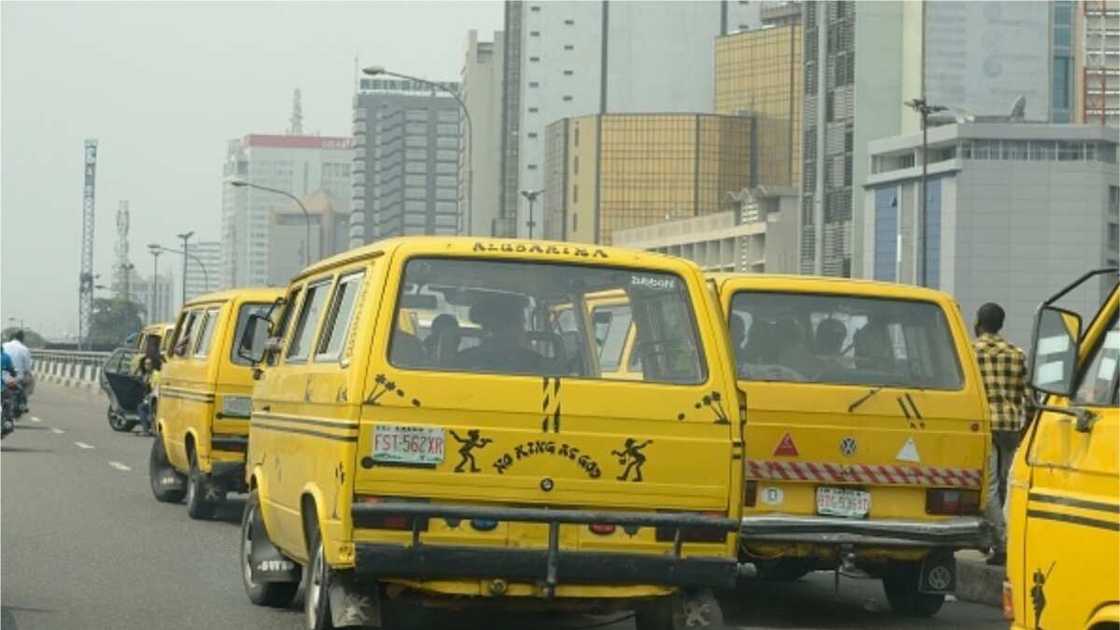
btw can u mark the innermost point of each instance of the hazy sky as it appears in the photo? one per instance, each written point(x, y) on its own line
point(163, 86)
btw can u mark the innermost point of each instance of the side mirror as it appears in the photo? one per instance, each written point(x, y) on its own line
point(251, 346)
point(1054, 352)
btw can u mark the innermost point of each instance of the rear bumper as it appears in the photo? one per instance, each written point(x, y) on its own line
point(961, 532)
point(550, 565)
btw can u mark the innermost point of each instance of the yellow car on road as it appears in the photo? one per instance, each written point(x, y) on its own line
point(202, 421)
point(515, 471)
point(1063, 551)
point(868, 433)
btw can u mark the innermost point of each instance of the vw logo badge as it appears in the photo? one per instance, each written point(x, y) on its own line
point(940, 578)
point(848, 446)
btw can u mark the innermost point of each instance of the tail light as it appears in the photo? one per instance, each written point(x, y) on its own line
point(694, 534)
point(1008, 602)
point(750, 493)
point(952, 502)
point(602, 529)
point(398, 522)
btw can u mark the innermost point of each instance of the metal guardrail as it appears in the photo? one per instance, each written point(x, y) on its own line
point(68, 367)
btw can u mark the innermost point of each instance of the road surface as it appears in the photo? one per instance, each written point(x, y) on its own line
point(85, 545)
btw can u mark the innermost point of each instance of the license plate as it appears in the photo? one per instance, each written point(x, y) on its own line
point(843, 502)
point(398, 444)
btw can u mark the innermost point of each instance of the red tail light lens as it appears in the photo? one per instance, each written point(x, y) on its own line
point(390, 521)
point(952, 502)
point(602, 529)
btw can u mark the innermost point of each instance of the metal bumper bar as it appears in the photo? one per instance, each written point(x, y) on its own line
point(551, 564)
point(965, 531)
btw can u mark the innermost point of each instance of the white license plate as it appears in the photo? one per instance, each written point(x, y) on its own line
point(843, 502)
point(398, 444)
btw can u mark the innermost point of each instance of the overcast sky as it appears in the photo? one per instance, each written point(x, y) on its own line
point(163, 86)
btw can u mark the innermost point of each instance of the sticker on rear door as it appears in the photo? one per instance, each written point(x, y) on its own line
point(402, 444)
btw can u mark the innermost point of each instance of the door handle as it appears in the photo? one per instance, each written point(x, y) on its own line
point(266, 408)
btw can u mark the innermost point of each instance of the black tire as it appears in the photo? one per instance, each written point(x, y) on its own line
point(674, 612)
point(271, 594)
point(116, 421)
point(317, 580)
point(900, 584)
point(159, 470)
point(199, 505)
point(783, 569)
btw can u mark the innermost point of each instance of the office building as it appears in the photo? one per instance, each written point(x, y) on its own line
point(406, 160)
point(163, 308)
point(203, 263)
point(759, 237)
point(1096, 49)
point(568, 58)
point(290, 229)
point(297, 164)
point(1014, 212)
point(865, 60)
point(758, 73)
point(482, 94)
point(616, 171)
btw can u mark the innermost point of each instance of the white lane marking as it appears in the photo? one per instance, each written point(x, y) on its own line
point(119, 466)
point(35, 419)
point(57, 431)
point(83, 445)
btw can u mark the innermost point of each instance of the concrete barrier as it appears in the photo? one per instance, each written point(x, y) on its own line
point(68, 368)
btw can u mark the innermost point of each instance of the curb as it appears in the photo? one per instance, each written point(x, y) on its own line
point(976, 581)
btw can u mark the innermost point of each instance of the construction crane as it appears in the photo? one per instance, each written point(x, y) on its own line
point(85, 276)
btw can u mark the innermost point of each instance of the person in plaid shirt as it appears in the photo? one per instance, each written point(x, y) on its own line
point(1003, 369)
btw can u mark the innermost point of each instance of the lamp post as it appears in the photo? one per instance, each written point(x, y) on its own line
point(240, 183)
point(185, 236)
point(155, 250)
point(196, 259)
point(374, 71)
point(531, 195)
point(924, 109)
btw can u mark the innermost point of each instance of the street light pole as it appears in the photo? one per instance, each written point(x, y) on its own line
point(531, 195)
point(924, 109)
point(155, 250)
point(240, 183)
point(185, 236)
point(379, 70)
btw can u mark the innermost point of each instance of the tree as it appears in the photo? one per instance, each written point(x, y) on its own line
point(114, 320)
point(31, 338)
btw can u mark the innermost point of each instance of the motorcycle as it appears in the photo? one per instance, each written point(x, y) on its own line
point(10, 404)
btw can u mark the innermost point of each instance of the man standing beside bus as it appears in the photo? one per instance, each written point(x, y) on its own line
point(1003, 369)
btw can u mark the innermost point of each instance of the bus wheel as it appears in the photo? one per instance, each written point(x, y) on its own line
point(272, 594)
point(697, 610)
point(168, 484)
point(900, 583)
point(200, 504)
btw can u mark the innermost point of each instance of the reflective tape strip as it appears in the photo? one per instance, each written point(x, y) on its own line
point(883, 475)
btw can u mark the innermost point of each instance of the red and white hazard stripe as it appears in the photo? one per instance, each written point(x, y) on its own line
point(881, 475)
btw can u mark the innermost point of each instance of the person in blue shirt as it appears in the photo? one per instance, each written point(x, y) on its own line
point(6, 365)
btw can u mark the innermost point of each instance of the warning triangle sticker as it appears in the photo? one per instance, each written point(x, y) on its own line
point(786, 447)
point(909, 452)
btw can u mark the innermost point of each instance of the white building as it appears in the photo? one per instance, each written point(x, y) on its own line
point(864, 60)
point(163, 308)
point(296, 164)
point(482, 92)
point(570, 58)
point(1014, 212)
point(203, 265)
point(761, 237)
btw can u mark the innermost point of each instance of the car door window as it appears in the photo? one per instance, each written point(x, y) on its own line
point(338, 323)
point(206, 333)
point(1098, 382)
point(307, 321)
point(185, 336)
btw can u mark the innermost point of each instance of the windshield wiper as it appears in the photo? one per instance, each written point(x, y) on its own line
point(874, 390)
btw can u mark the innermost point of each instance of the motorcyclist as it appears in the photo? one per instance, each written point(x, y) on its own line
point(7, 378)
point(20, 357)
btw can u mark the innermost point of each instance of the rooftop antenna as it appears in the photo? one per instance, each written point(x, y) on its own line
point(296, 120)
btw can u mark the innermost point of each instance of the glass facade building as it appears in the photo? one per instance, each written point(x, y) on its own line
point(758, 73)
point(615, 171)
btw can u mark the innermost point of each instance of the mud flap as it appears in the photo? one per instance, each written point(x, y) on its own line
point(939, 573)
point(699, 609)
point(353, 603)
point(265, 560)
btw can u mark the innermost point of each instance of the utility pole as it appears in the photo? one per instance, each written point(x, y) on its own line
point(924, 109)
point(155, 251)
point(185, 236)
point(531, 195)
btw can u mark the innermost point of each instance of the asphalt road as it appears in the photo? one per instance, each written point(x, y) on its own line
point(84, 545)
